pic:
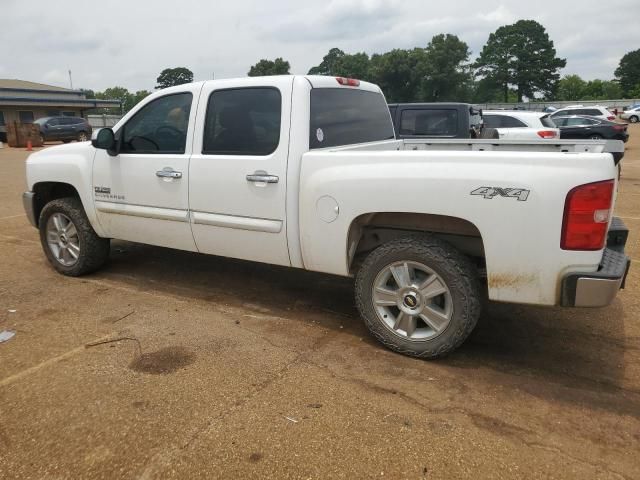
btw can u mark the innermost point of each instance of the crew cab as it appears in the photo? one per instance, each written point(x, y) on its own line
point(306, 172)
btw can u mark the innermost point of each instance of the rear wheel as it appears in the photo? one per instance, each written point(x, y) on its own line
point(71, 245)
point(42, 139)
point(82, 137)
point(418, 296)
point(633, 119)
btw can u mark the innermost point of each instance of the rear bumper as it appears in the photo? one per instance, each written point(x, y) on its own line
point(598, 289)
point(28, 202)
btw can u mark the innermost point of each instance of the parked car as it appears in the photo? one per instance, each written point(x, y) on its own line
point(591, 111)
point(631, 114)
point(520, 125)
point(306, 172)
point(436, 120)
point(64, 128)
point(580, 126)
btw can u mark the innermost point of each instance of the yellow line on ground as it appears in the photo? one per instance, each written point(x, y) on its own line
point(17, 376)
point(628, 218)
point(12, 216)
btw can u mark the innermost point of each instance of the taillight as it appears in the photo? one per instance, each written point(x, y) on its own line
point(619, 127)
point(348, 82)
point(586, 216)
point(547, 134)
point(611, 117)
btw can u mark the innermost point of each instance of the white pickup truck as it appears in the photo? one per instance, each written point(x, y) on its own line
point(305, 171)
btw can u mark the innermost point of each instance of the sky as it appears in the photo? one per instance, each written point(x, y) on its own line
point(129, 42)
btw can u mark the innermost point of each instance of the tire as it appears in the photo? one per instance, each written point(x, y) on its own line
point(91, 251)
point(453, 271)
point(633, 119)
point(42, 139)
point(82, 137)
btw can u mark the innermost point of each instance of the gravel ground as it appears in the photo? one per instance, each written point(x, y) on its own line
point(227, 369)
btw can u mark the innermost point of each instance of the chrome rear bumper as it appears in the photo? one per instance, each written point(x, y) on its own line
point(598, 289)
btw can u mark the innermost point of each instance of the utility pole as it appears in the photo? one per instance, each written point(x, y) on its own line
point(70, 80)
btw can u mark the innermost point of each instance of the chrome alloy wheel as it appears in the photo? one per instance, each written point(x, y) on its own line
point(412, 300)
point(62, 238)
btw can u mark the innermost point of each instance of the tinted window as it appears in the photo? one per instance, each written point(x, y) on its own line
point(502, 121)
point(68, 121)
point(591, 111)
point(429, 122)
point(560, 122)
point(243, 121)
point(25, 116)
point(1, 118)
point(54, 122)
point(159, 127)
point(341, 116)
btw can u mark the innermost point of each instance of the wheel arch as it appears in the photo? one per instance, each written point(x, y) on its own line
point(45, 192)
point(368, 231)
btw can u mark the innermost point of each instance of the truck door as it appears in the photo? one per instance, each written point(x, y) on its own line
point(142, 193)
point(238, 170)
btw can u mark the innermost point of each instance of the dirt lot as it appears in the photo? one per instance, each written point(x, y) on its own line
point(237, 370)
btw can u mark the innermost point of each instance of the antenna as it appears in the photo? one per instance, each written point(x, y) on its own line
point(70, 80)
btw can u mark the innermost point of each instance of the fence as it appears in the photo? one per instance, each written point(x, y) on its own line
point(611, 104)
point(99, 121)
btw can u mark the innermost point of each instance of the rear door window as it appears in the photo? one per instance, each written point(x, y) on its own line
point(547, 122)
point(502, 121)
point(344, 116)
point(431, 122)
point(243, 121)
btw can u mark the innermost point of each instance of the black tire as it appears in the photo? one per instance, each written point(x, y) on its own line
point(82, 136)
point(42, 139)
point(633, 119)
point(94, 250)
point(454, 268)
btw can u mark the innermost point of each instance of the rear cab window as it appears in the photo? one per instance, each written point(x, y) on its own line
point(343, 116)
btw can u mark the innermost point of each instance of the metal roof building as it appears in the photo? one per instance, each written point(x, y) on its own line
point(23, 101)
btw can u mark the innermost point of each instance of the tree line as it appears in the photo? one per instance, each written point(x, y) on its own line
point(518, 61)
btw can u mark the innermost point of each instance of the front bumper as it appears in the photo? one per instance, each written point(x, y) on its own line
point(598, 289)
point(28, 202)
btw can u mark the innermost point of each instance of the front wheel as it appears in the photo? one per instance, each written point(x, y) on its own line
point(419, 296)
point(71, 245)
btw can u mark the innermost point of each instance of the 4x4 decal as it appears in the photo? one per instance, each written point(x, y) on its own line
point(489, 192)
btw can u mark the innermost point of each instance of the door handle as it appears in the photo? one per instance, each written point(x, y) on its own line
point(168, 173)
point(262, 177)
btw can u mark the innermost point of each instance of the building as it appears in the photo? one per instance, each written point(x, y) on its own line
point(23, 101)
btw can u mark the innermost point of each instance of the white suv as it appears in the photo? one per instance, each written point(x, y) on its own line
point(632, 114)
point(520, 125)
point(592, 111)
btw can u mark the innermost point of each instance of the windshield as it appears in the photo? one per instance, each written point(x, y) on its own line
point(341, 116)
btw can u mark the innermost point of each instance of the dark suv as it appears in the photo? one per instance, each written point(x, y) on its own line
point(64, 128)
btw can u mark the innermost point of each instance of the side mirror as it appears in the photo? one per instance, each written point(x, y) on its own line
point(105, 139)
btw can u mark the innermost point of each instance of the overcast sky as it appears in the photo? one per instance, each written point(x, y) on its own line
point(128, 42)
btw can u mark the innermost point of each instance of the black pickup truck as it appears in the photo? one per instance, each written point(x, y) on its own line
point(437, 120)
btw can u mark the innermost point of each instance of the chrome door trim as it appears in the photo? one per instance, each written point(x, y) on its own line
point(142, 211)
point(240, 223)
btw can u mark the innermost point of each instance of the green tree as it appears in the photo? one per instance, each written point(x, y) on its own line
point(571, 87)
point(270, 67)
point(444, 70)
point(88, 93)
point(611, 89)
point(397, 74)
point(329, 63)
point(127, 99)
point(170, 77)
point(628, 71)
point(521, 55)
